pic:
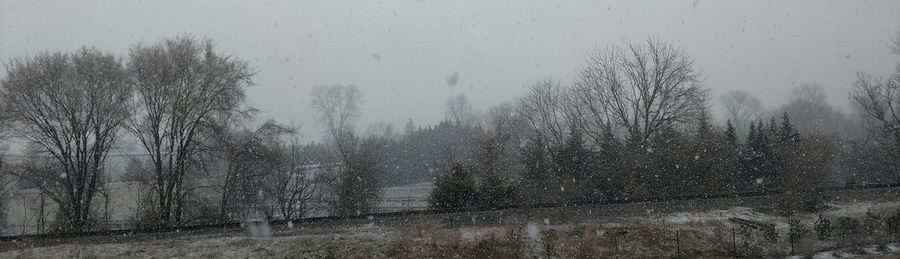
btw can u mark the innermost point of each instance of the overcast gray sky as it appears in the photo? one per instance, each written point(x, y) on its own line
point(400, 53)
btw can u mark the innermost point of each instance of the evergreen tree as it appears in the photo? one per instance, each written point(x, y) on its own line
point(759, 156)
point(772, 133)
point(805, 167)
point(747, 157)
point(574, 159)
point(608, 184)
point(610, 165)
point(731, 159)
point(536, 171)
point(788, 134)
point(730, 133)
point(671, 164)
point(494, 192)
point(712, 162)
point(574, 164)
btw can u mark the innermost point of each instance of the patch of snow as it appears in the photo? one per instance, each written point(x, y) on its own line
point(679, 218)
point(872, 249)
point(533, 231)
point(892, 248)
point(259, 229)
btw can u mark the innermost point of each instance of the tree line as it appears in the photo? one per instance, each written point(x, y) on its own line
point(636, 122)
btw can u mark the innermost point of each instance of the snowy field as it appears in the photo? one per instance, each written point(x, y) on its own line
point(659, 230)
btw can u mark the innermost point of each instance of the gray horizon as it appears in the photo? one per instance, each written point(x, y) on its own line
point(401, 54)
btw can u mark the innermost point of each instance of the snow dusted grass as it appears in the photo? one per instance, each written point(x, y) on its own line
point(630, 231)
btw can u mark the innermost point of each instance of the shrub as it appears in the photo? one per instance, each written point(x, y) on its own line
point(797, 229)
point(510, 247)
point(893, 223)
point(516, 241)
point(847, 226)
point(400, 246)
point(454, 189)
point(550, 240)
point(587, 243)
point(823, 228)
point(495, 192)
point(458, 189)
point(330, 253)
point(872, 223)
point(424, 241)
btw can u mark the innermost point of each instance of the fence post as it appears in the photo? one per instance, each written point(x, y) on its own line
point(791, 239)
point(616, 245)
point(677, 243)
point(734, 241)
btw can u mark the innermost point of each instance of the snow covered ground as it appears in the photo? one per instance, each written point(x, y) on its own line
point(627, 231)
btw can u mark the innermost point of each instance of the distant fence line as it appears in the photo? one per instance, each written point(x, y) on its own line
point(120, 202)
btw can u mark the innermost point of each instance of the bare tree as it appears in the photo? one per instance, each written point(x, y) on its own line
point(356, 183)
point(878, 101)
point(812, 114)
point(33, 172)
point(643, 88)
point(497, 145)
point(293, 187)
point(71, 105)
point(6, 181)
point(460, 111)
point(741, 109)
point(895, 44)
point(252, 156)
point(544, 107)
point(382, 130)
point(181, 84)
point(6, 178)
point(338, 109)
point(809, 92)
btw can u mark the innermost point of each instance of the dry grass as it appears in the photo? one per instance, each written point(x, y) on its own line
point(707, 234)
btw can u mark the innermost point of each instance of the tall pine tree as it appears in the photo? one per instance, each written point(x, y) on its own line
point(730, 133)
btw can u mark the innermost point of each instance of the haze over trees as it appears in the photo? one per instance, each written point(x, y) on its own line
point(741, 109)
point(635, 123)
point(356, 177)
